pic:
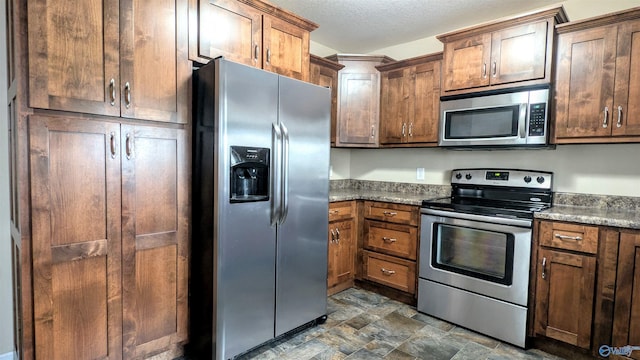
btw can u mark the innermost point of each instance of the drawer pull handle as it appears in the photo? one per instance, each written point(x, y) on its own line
point(390, 213)
point(606, 116)
point(333, 236)
point(334, 212)
point(387, 272)
point(388, 240)
point(337, 236)
point(565, 237)
point(544, 268)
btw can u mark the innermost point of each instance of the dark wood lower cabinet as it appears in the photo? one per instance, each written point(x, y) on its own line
point(564, 296)
point(109, 234)
point(626, 317)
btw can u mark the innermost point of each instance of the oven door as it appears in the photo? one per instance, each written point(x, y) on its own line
point(481, 254)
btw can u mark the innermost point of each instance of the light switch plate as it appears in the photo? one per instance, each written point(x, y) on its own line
point(419, 173)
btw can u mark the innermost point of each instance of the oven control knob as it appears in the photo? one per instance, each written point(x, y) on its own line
point(468, 176)
point(527, 179)
point(540, 179)
point(458, 176)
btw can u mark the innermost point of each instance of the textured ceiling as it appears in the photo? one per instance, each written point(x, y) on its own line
point(363, 26)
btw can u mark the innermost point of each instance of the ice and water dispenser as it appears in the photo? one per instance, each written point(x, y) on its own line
point(249, 174)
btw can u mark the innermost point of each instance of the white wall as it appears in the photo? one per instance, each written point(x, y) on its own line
point(594, 169)
point(6, 305)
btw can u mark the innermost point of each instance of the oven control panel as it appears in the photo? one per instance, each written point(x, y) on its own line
point(503, 177)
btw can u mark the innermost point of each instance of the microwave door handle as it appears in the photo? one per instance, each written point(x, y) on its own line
point(522, 121)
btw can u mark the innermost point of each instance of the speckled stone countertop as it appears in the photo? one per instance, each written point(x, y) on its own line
point(602, 210)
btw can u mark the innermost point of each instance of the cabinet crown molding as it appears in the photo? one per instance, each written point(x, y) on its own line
point(315, 59)
point(410, 62)
point(555, 12)
point(281, 13)
point(361, 57)
point(602, 20)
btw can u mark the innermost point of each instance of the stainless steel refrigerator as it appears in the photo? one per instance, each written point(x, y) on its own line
point(260, 195)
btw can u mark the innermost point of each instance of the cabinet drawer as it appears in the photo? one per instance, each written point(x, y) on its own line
point(342, 210)
point(392, 239)
point(396, 213)
point(390, 271)
point(568, 236)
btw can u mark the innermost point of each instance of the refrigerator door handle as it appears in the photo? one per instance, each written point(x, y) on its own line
point(285, 174)
point(276, 175)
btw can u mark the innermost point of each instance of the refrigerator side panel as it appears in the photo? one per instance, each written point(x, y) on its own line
point(246, 241)
point(301, 282)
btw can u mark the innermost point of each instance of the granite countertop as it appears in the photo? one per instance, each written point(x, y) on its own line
point(601, 210)
point(623, 218)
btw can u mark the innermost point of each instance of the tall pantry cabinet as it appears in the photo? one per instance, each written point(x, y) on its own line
point(99, 161)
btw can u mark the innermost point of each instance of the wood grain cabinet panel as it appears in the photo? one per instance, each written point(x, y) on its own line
point(598, 80)
point(564, 296)
point(251, 32)
point(110, 238)
point(111, 58)
point(154, 242)
point(76, 239)
point(627, 295)
point(358, 123)
point(389, 247)
point(342, 246)
point(410, 101)
point(497, 55)
point(324, 72)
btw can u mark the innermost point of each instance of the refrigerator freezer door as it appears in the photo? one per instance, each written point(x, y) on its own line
point(301, 282)
point(246, 107)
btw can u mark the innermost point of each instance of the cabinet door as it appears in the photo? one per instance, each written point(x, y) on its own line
point(358, 106)
point(341, 252)
point(466, 62)
point(394, 102)
point(324, 76)
point(627, 299)
point(230, 29)
point(73, 56)
point(626, 109)
point(154, 64)
point(424, 109)
point(154, 238)
point(584, 82)
point(564, 296)
point(75, 197)
point(285, 48)
point(519, 53)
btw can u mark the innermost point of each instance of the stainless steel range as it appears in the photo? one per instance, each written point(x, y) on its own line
point(475, 250)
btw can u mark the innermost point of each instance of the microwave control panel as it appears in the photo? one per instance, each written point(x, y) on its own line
point(537, 119)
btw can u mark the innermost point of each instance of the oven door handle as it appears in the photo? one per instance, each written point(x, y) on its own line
point(474, 217)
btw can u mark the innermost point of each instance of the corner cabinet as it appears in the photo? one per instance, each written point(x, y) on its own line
point(342, 246)
point(109, 238)
point(251, 32)
point(324, 72)
point(110, 58)
point(597, 82)
point(504, 53)
point(358, 100)
point(410, 101)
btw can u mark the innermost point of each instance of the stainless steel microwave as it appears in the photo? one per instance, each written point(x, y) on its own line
point(507, 119)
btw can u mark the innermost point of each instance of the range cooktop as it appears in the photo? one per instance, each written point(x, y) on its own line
point(497, 192)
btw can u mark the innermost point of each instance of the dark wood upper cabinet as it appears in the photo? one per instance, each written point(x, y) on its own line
point(504, 53)
point(113, 58)
point(250, 32)
point(597, 83)
point(410, 101)
point(324, 72)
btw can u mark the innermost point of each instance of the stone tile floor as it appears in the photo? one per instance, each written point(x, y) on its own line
point(366, 325)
